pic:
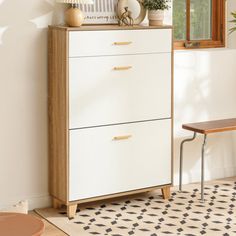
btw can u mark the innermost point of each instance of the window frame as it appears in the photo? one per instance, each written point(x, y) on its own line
point(218, 29)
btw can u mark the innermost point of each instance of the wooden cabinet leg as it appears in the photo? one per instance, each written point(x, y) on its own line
point(71, 210)
point(166, 192)
point(56, 203)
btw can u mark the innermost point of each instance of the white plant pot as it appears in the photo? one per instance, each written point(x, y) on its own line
point(155, 17)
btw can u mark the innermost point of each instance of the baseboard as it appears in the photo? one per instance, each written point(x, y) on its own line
point(39, 202)
point(43, 201)
point(212, 174)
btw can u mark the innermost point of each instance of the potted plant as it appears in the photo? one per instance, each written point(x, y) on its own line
point(233, 21)
point(156, 10)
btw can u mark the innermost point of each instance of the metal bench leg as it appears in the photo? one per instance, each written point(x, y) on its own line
point(202, 168)
point(181, 159)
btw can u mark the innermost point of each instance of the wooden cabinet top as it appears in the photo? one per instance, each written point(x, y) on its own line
point(107, 27)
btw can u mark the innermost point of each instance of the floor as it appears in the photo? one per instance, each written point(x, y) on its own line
point(50, 230)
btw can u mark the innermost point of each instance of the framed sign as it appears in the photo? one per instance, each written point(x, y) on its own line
point(101, 12)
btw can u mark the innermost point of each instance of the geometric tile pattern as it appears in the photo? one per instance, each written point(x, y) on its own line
point(150, 215)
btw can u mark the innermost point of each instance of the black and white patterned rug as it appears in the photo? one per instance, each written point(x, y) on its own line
point(149, 215)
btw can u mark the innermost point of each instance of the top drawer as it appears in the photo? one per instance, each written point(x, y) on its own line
point(119, 42)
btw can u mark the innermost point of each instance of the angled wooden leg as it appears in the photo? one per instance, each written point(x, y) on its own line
point(166, 192)
point(71, 211)
point(56, 203)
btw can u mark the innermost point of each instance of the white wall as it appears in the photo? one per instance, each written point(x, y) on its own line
point(23, 100)
point(205, 85)
point(204, 88)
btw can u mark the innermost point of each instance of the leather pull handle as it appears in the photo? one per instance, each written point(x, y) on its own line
point(124, 137)
point(122, 67)
point(122, 43)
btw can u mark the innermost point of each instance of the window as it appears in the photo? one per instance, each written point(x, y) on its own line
point(199, 23)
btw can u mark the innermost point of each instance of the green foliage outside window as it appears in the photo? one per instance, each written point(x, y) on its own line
point(179, 19)
point(200, 19)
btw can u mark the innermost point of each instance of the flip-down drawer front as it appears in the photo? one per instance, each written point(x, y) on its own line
point(115, 42)
point(113, 159)
point(119, 89)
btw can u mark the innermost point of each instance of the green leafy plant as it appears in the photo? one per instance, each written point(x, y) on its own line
point(233, 21)
point(156, 4)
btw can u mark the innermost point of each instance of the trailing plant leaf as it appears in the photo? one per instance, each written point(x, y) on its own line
point(233, 14)
point(233, 21)
point(232, 30)
point(156, 4)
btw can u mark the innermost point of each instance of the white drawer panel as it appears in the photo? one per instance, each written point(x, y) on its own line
point(99, 165)
point(100, 95)
point(94, 43)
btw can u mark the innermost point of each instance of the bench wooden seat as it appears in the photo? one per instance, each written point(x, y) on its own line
point(213, 126)
point(204, 128)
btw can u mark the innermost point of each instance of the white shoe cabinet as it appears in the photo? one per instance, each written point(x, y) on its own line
point(110, 112)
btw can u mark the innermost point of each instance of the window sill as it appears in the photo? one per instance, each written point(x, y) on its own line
point(204, 44)
point(222, 49)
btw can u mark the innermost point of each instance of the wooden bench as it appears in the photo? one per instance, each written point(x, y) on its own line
point(204, 128)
